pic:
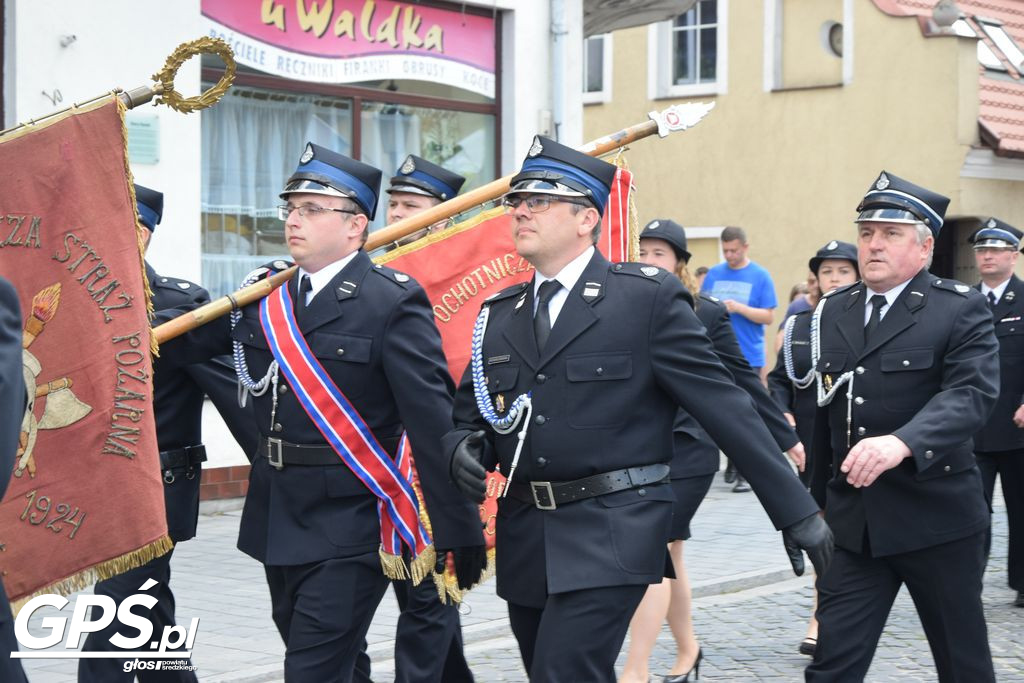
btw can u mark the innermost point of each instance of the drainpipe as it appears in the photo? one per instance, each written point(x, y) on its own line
point(559, 31)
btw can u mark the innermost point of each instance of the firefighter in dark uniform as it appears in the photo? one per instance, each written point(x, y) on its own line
point(579, 374)
point(309, 517)
point(907, 364)
point(12, 388)
point(426, 626)
point(791, 381)
point(1000, 445)
point(178, 407)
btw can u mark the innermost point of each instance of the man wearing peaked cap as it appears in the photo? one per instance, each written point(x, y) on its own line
point(586, 366)
point(341, 363)
point(178, 393)
point(1000, 444)
point(417, 186)
point(907, 363)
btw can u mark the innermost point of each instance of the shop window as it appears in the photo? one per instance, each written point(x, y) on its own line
point(252, 140)
point(993, 28)
point(460, 141)
point(597, 69)
point(687, 56)
point(805, 43)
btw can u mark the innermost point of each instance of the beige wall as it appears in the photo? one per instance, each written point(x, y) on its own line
point(791, 166)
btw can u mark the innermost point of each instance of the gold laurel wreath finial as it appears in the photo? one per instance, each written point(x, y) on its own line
point(165, 77)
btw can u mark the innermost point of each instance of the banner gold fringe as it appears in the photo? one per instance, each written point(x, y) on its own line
point(101, 571)
point(121, 109)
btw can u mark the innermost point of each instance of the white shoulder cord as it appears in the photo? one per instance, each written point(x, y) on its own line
point(246, 384)
point(787, 358)
point(521, 407)
point(827, 387)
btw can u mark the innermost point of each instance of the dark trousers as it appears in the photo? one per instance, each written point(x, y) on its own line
point(1009, 465)
point(857, 591)
point(426, 626)
point(322, 611)
point(162, 615)
point(576, 636)
point(10, 669)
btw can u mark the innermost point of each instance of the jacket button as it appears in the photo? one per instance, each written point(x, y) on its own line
point(599, 371)
point(541, 378)
point(540, 419)
point(641, 492)
point(278, 427)
point(282, 389)
point(946, 468)
point(542, 462)
point(859, 401)
point(929, 455)
point(860, 370)
point(828, 364)
point(906, 363)
point(252, 337)
point(861, 431)
point(340, 352)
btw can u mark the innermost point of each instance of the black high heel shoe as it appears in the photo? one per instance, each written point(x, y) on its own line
point(685, 678)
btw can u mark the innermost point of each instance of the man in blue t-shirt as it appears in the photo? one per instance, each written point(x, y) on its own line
point(748, 293)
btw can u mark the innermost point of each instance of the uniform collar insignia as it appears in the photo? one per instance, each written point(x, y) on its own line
point(1009, 295)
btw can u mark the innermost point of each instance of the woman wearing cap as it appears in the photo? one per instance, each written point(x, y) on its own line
point(694, 464)
point(792, 380)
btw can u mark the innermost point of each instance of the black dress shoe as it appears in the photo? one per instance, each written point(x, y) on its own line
point(730, 472)
point(741, 485)
point(1019, 602)
point(808, 645)
point(685, 678)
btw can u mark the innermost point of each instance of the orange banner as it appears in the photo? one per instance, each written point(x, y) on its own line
point(86, 498)
point(461, 266)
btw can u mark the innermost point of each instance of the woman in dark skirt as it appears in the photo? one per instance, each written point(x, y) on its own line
point(694, 464)
point(792, 381)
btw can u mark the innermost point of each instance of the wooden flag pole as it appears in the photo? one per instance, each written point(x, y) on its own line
point(676, 117)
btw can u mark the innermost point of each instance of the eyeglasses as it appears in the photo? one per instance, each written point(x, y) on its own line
point(536, 203)
point(310, 210)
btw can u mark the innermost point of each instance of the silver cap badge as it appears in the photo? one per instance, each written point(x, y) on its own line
point(536, 148)
point(832, 245)
point(991, 223)
point(882, 182)
point(409, 166)
point(307, 155)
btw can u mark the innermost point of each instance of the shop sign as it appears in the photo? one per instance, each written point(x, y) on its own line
point(349, 41)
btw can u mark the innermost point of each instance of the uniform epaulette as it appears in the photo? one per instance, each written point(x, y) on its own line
point(652, 273)
point(952, 286)
point(176, 284)
point(507, 292)
point(396, 276)
point(840, 290)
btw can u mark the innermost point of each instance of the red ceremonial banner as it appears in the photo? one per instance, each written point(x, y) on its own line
point(461, 266)
point(86, 498)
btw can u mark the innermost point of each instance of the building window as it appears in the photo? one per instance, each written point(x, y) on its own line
point(687, 56)
point(993, 28)
point(597, 69)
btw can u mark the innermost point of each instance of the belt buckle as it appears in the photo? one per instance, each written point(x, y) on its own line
point(275, 453)
point(539, 489)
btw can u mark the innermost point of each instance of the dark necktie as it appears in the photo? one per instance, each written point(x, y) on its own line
point(991, 299)
point(305, 286)
point(877, 301)
point(542, 321)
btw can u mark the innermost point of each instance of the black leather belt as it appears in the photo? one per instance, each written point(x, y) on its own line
point(547, 495)
point(181, 461)
point(280, 453)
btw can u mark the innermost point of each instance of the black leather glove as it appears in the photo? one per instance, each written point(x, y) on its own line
point(470, 563)
point(812, 535)
point(466, 471)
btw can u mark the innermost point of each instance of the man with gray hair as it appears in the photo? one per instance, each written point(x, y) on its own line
point(908, 369)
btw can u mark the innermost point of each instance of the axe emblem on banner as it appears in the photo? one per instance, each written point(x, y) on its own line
point(61, 407)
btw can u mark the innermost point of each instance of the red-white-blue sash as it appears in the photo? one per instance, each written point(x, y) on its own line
point(351, 438)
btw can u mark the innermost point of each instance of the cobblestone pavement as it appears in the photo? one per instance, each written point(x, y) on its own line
point(749, 611)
